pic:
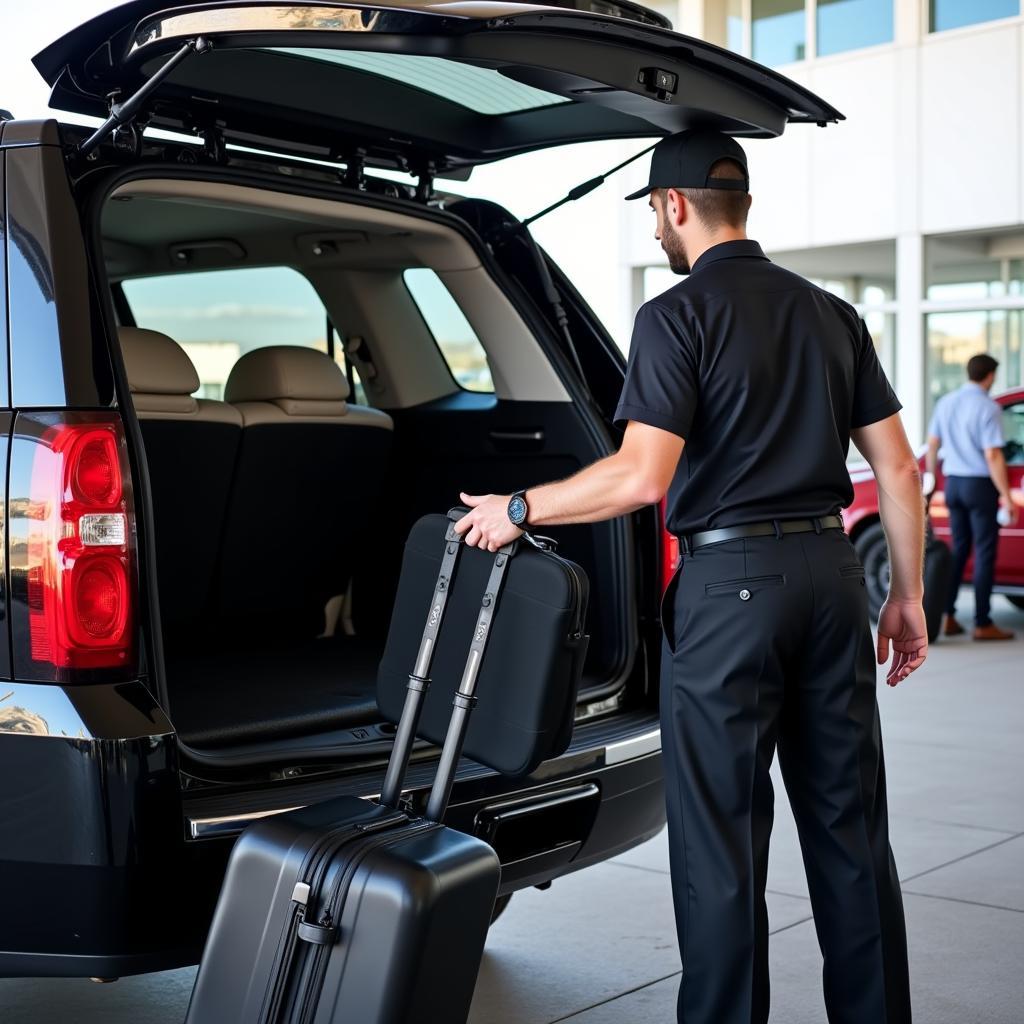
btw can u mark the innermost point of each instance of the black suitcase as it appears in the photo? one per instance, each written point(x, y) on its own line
point(352, 912)
point(530, 676)
point(938, 577)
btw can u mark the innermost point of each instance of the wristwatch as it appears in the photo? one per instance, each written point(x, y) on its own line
point(518, 509)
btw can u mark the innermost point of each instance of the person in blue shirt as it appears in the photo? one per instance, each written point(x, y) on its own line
point(967, 425)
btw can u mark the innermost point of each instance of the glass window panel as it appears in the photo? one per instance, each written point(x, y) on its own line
point(1013, 431)
point(882, 328)
point(1015, 277)
point(958, 268)
point(219, 315)
point(956, 13)
point(851, 24)
point(779, 31)
point(453, 333)
point(658, 280)
point(956, 336)
point(483, 90)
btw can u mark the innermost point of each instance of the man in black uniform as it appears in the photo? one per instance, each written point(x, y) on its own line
point(744, 386)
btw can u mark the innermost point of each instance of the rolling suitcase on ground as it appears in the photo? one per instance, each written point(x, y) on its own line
point(938, 576)
point(350, 912)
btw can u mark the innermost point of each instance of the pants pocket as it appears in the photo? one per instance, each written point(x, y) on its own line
point(744, 589)
point(667, 609)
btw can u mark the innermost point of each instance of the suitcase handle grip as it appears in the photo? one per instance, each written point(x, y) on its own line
point(465, 698)
point(419, 678)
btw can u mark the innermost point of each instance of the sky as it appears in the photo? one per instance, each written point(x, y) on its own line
point(583, 237)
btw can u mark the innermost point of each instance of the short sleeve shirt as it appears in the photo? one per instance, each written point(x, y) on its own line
point(764, 375)
point(966, 422)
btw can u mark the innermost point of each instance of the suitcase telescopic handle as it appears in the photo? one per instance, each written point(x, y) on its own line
point(465, 696)
point(419, 678)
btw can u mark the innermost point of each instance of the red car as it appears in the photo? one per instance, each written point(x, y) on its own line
point(865, 527)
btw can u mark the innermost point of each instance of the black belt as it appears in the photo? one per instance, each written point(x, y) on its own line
point(774, 528)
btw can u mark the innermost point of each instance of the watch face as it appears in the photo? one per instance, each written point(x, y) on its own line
point(517, 510)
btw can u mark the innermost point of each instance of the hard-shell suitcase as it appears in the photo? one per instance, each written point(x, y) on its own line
point(530, 676)
point(352, 912)
point(938, 577)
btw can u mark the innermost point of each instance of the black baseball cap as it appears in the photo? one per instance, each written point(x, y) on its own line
point(684, 160)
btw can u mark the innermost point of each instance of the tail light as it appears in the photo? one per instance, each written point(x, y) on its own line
point(72, 548)
point(669, 546)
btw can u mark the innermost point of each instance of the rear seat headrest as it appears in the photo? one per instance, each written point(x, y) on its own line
point(300, 381)
point(161, 376)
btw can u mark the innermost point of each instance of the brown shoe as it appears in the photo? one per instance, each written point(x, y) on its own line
point(952, 627)
point(992, 632)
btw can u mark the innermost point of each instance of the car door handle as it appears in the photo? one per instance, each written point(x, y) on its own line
point(518, 435)
point(518, 440)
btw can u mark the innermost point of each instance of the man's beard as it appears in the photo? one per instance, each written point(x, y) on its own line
point(675, 250)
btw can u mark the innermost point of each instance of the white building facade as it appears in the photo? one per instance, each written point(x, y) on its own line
point(912, 208)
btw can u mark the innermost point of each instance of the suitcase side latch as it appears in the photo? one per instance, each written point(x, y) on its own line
point(323, 934)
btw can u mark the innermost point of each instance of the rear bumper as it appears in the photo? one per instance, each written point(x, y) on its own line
point(102, 880)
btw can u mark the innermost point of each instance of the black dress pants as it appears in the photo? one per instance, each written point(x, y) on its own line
point(767, 643)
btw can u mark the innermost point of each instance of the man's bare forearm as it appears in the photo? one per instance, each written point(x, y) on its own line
point(998, 472)
point(603, 490)
point(900, 502)
point(902, 511)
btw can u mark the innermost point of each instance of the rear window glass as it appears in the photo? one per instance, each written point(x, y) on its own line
point(483, 90)
point(217, 316)
point(456, 339)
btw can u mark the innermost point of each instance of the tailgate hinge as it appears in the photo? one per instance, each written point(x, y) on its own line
point(122, 114)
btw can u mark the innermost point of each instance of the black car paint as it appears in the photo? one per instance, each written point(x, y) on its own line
point(100, 875)
point(599, 64)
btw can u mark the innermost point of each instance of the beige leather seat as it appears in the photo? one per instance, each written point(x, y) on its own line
point(308, 478)
point(162, 380)
point(191, 445)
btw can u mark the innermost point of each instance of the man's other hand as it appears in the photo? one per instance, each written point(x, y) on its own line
point(1010, 512)
point(902, 624)
point(487, 521)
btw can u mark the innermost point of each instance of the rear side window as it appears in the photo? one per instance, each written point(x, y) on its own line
point(456, 339)
point(1013, 431)
point(217, 316)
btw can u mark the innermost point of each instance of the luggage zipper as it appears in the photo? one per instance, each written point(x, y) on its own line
point(329, 930)
point(547, 545)
point(317, 856)
point(577, 591)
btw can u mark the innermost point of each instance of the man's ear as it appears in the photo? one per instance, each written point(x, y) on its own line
point(676, 208)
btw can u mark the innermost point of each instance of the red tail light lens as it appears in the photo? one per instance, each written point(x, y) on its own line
point(72, 546)
point(96, 476)
point(669, 547)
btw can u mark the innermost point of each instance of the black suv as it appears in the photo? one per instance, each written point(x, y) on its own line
point(202, 533)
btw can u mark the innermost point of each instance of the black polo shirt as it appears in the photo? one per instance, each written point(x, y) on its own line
point(764, 374)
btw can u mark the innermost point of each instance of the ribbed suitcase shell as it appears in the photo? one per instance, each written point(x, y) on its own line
point(413, 919)
point(388, 923)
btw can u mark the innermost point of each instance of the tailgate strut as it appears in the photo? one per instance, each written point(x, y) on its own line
point(554, 300)
point(122, 113)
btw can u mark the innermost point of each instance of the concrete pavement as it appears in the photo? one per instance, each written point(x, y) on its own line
point(599, 947)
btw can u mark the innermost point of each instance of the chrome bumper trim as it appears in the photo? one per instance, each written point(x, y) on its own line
point(210, 828)
point(614, 753)
point(635, 746)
